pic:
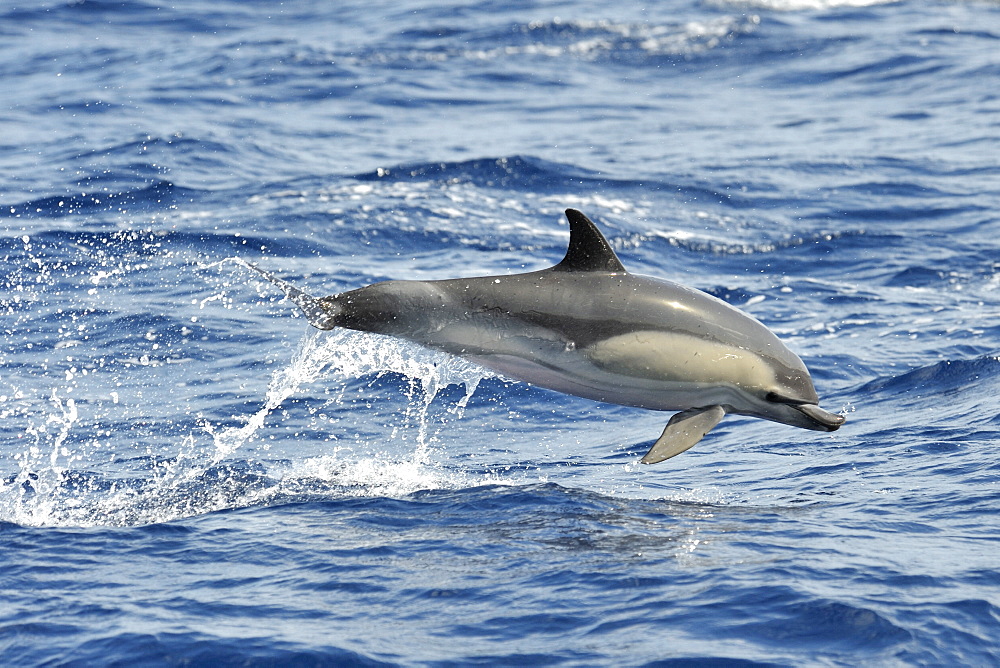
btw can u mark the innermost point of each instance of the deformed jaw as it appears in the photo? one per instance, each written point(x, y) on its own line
point(824, 420)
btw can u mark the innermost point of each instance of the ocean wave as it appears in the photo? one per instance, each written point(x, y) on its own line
point(716, 244)
point(126, 11)
point(534, 174)
point(800, 5)
point(120, 13)
point(311, 70)
point(696, 198)
point(546, 177)
point(508, 172)
point(186, 648)
point(158, 195)
point(938, 379)
point(605, 40)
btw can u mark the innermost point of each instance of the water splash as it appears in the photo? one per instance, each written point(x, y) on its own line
point(57, 485)
point(41, 473)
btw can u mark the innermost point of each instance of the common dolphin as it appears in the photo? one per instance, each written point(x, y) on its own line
point(589, 328)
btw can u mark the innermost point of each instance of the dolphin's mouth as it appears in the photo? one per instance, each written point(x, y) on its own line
point(823, 419)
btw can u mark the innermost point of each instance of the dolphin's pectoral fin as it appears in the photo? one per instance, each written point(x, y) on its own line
point(321, 313)
point(684, 430)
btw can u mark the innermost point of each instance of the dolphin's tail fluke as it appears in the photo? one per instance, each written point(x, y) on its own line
point(320, 312)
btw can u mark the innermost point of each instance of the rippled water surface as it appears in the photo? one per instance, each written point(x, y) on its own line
point(189, 474)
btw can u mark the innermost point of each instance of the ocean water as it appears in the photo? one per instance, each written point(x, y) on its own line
point(190, 475)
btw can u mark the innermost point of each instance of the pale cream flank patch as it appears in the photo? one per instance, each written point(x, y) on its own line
point(680, 358)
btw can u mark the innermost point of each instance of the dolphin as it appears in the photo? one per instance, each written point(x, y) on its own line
point(589, 328)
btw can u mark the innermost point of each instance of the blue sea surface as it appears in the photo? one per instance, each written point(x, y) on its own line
point(191, 475)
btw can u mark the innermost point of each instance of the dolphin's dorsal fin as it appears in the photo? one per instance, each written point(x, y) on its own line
point(588, 249)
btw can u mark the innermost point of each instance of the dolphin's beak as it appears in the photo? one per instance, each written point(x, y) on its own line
point(824, 421)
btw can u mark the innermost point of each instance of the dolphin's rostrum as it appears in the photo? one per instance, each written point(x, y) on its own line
point(589, 328)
